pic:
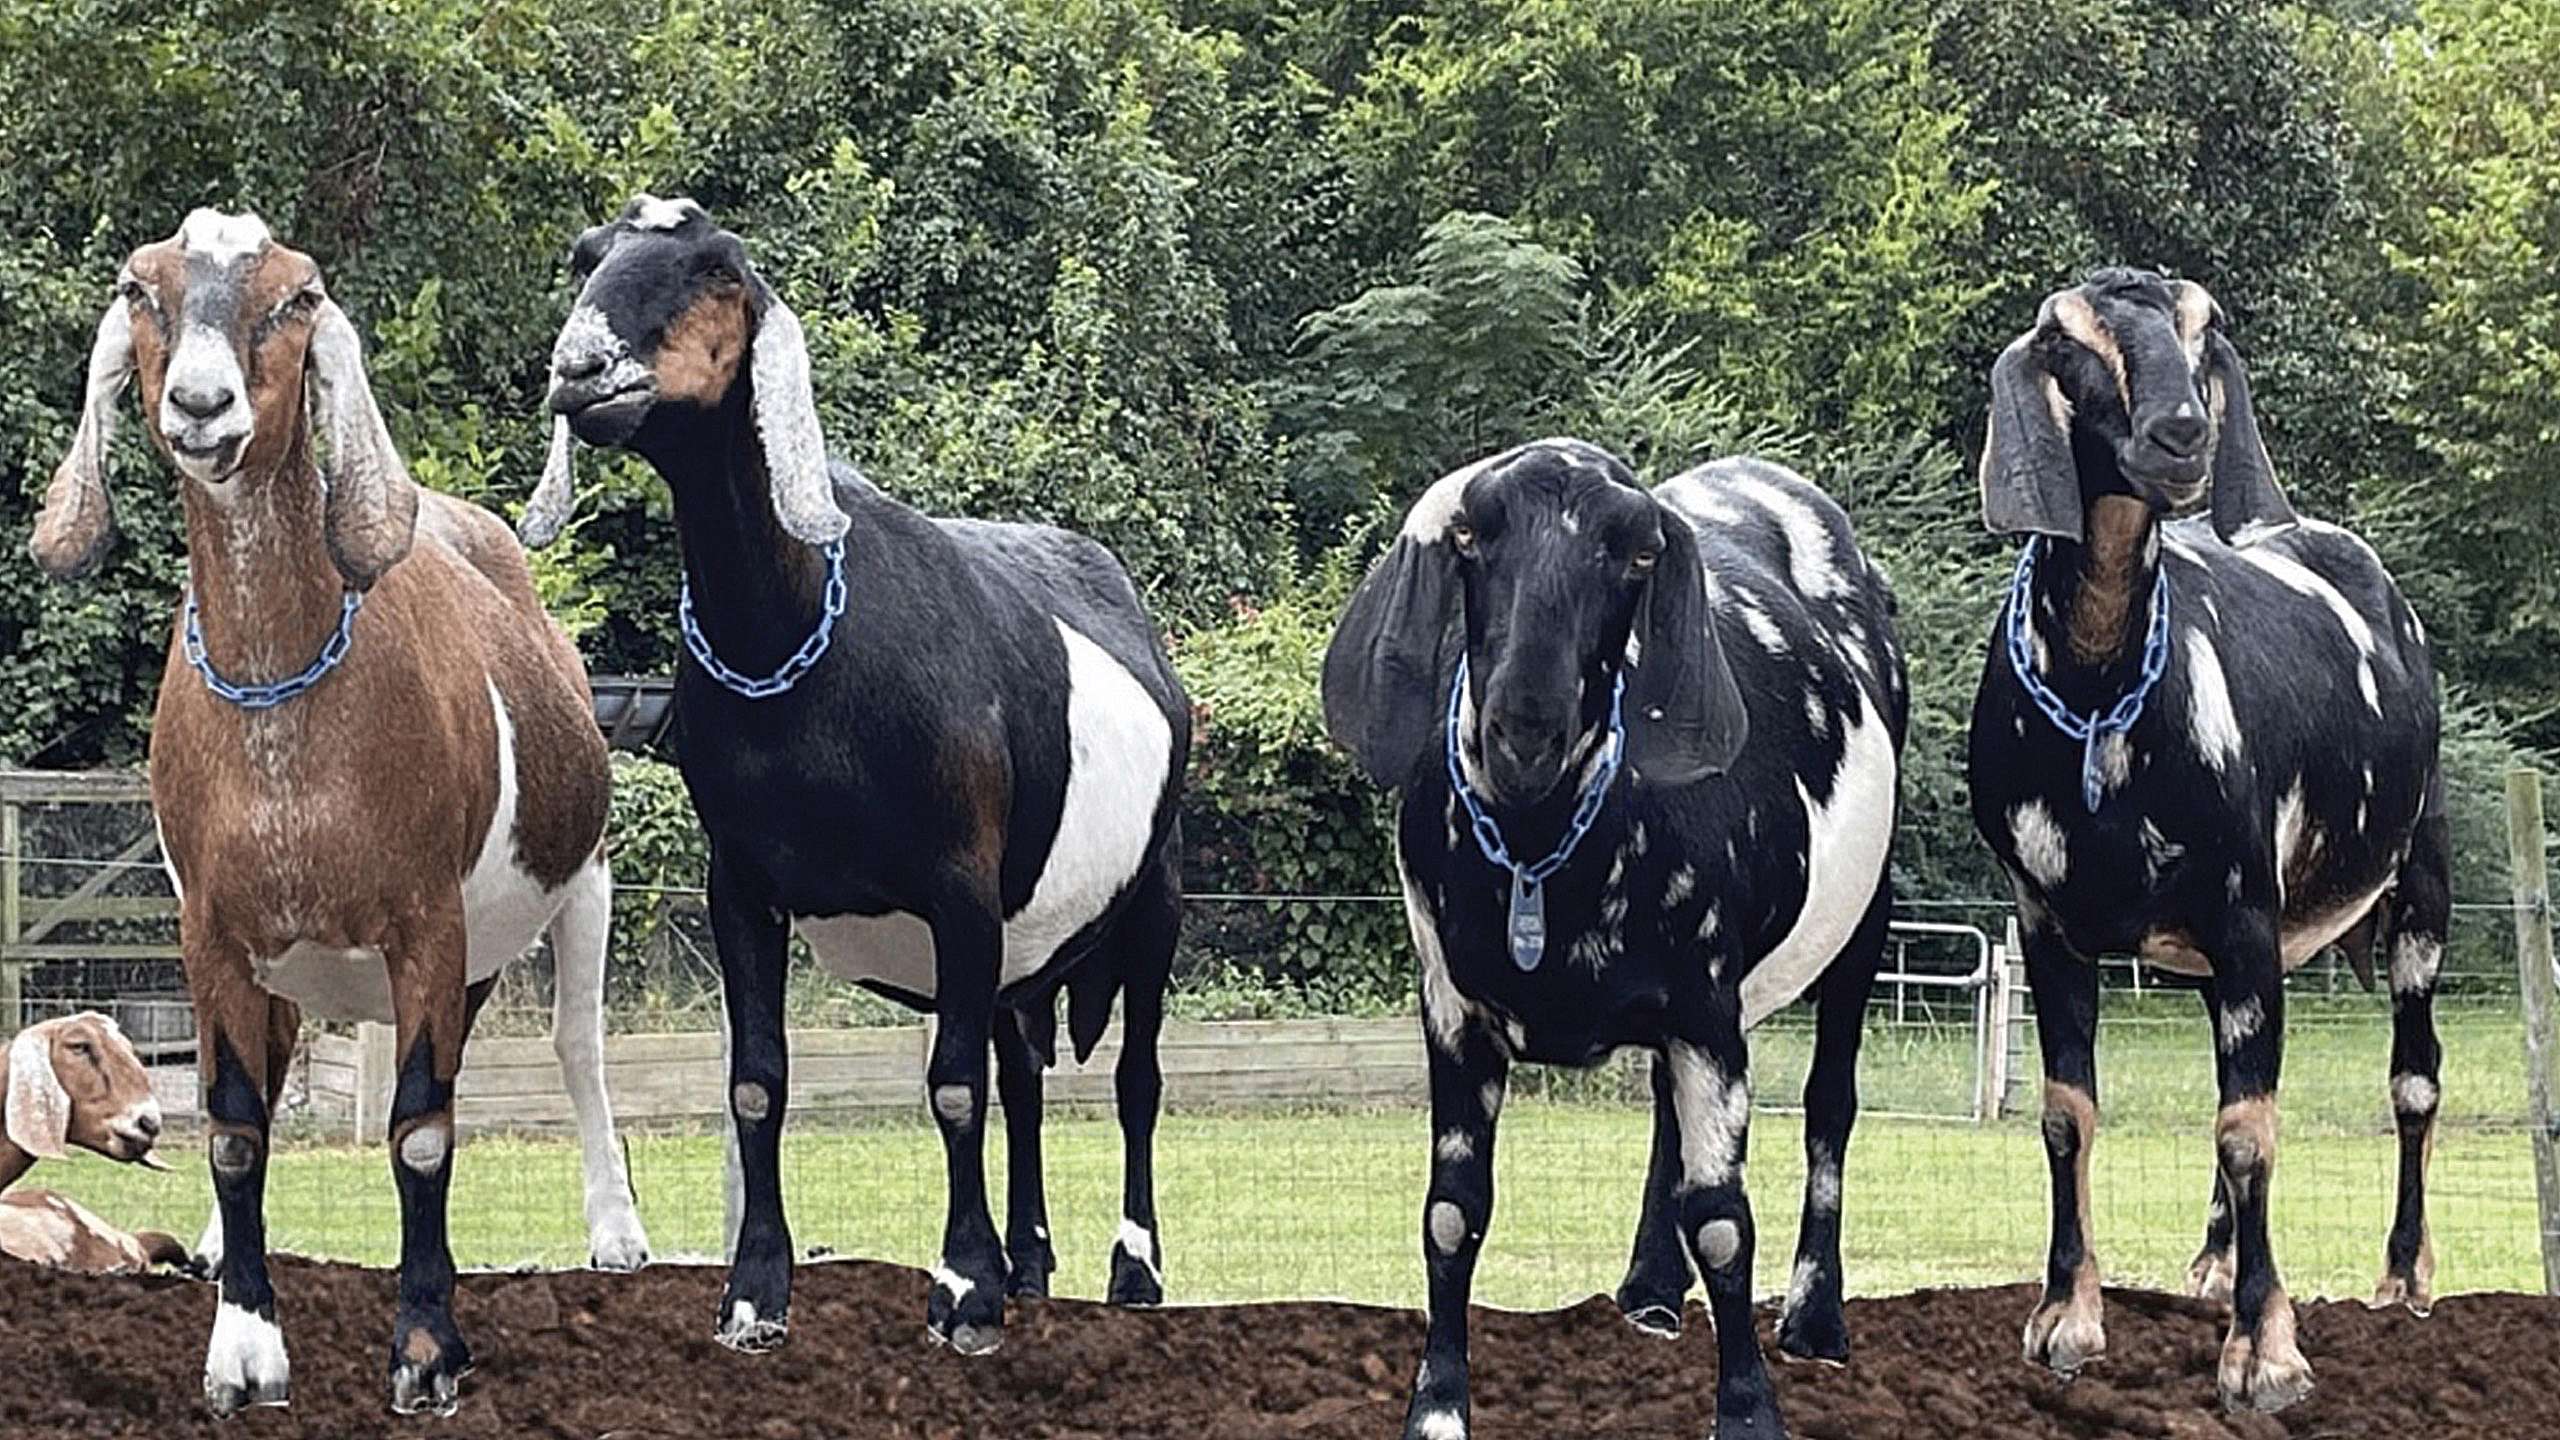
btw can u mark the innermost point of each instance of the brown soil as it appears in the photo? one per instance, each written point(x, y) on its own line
point(587, 1356)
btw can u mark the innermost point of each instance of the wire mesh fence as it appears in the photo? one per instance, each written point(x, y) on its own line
point(1293, 1160)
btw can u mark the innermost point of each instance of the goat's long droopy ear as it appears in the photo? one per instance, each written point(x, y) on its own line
point(795, 450)
point(72, 531)
point(2248, 505)
point(373, 504)
point(38, 1118)
point(546, 514)
point(1685, 718)
point(2029, 485)
point(1386, 674)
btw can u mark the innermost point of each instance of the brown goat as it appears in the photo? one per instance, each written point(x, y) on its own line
point(76, 1081)
point(375, 837)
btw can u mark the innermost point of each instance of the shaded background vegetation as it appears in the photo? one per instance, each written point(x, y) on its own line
point(1226, 283)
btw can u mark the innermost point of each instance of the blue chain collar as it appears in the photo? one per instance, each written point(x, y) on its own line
point(1528, 882)
point(2091, 728)
point(275, 692)
point(802, 660)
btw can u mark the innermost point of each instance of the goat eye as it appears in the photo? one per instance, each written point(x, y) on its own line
point(1644, 561)
point(1464, 537)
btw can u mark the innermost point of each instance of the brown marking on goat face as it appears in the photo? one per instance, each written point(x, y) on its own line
point(2079, 320)
point(2101, 611)
point(698, 359)
point(269, 337)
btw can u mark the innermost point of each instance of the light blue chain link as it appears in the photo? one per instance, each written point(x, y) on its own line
point(1489, 834)
point(2088, 729)
point(272, 693)
point(802, 660)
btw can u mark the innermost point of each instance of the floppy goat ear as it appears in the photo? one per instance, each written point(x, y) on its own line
point(786, 410)
point(1684, 712)
point(1386, 674)
point(2029, 484)
point(72, 532)
point(373, 504)
point(39, 1109)
point(2247, 504)
point(546, 514)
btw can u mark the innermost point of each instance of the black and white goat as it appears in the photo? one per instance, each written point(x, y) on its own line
point(1540, 622)
point(2211, 743)
point(961, 793)
point(369, 835)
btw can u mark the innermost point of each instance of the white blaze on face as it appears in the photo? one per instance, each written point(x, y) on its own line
point(2042, 850)
point(223, 239)
point(651, 213)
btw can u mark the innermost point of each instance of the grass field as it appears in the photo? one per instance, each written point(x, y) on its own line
point(1326, 1204)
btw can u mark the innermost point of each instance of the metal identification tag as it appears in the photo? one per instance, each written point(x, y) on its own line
point(1528, 921)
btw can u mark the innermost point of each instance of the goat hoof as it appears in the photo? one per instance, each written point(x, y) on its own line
point(1437, 1412)
point(428, 1361)
point(2402, 1290)
point(2266, 1371)
point(1805, 1334)
point(618, 1244)
point(420, 1390)
point(245, 1364)
point(1756, 1422)
point(743, 1330)
point(964, 1313)
point(2209, 1278)
point(1134, 1281)
point(2066, 1335)
point(1662, 1322)
point(1030, 1281)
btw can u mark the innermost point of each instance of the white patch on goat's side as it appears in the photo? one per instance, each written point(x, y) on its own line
point(1120, 748)
point(2210, 718)
point(246, 1354)
point(1713, 1109)
point(2312, 934)
point(2042, 850)
point(1455, 1147)
point(1140, 1244)
point(1444, 1011)
point(651, 213)
point(223, 238)
point(504, 909)
point(2238, 1021)
point(1809, 541)
point(1757, 621)
point(2303, 580)
point(2297, 840)
point(1817, 715)
point(1847, 839)
point(2413, 1094)
point(2414, 962)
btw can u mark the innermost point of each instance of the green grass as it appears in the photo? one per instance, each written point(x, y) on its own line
point(1264, 1206)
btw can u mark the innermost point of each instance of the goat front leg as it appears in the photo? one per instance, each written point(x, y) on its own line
point(1658, 1273)
point(1026, 1223)
point(1711, 1094)
point(428, 1355)
point(2423, 905)
point(1814, 1324)
point(754, 950)
point(966, 1310)
point(245, 1362)
point(2262, 1364)
point(2067, 1329)
point(579, 935)
point(1469, 1074)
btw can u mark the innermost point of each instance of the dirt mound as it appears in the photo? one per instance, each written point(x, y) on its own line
point(586, 1356)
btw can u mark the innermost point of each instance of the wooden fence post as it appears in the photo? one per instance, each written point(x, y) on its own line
point(10, 993)
point(1992, 1065)
point(2531, 887)
point(374, 1064)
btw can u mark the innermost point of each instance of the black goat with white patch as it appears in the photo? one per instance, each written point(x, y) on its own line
point(961, 794)
point(2273, 790)
point(1540, 620)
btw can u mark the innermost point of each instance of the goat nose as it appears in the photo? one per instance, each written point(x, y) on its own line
point(202, 402)
point(148, 1123)
point(2179, 432)
point(585, 365)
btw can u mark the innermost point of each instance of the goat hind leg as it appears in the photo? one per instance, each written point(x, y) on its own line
point(1147, 941)
point(1814, 1325)
point(966, 1309)
point(2423, 911)
point(579, 933)
point(1026, 1227)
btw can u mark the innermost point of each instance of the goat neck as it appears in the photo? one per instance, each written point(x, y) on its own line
point(258, 558)
point(756, 587)
point(2091, 606)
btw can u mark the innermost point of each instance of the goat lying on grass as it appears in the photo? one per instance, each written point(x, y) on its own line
point(1540, 622)
point(2212, 744)
point(953, 771)
point(76, 1081)
point(373, 836)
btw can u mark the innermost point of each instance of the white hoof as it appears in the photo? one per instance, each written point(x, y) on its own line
point(615, 1240)
point(245, 1363)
